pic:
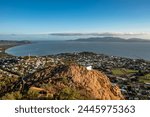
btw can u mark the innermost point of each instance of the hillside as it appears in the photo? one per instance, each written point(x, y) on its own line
point(110, 39)
point(63, 82)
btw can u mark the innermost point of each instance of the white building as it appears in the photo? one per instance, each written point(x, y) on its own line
point(89, 67)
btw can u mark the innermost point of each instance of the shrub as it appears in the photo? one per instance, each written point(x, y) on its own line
point(12, 96)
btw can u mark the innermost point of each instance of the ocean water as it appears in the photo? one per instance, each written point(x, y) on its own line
point(139, 50)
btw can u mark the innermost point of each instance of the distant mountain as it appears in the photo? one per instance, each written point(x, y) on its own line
point(86, 34)
point(138, 40)
point(110, 39)
point(67, 34)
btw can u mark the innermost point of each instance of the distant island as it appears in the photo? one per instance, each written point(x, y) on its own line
point(106, 34)
point(110, 39)
point(68, 34)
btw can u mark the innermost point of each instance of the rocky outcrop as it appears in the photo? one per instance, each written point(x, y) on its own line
point(67, 82)
point(96, 84)
point(89, 83)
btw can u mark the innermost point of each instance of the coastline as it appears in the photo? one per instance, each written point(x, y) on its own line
point(9, 44)
point(4, 45)
point(49, 47)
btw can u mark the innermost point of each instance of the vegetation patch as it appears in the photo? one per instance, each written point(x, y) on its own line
point(145, 78)
point(68, 93)
point(122, 71)
point(12, 96)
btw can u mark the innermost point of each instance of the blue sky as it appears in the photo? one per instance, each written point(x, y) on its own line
point(46, 16)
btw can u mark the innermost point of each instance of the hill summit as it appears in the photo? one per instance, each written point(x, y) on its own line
point(67, 82)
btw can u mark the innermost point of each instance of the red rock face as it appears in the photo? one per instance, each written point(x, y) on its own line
point(94, 82)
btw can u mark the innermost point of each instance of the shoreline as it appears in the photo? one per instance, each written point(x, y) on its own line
point(119, 53)
point(5, 44)
point(14, 43)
